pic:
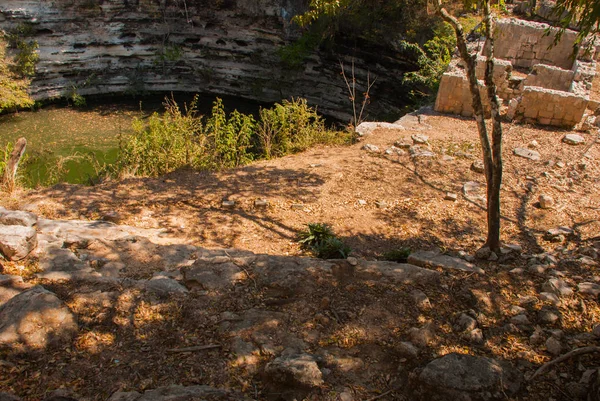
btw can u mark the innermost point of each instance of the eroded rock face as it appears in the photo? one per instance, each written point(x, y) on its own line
point(221, 48)
point(36, 318)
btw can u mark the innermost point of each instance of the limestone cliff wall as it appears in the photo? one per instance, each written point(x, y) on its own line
point(224, 47)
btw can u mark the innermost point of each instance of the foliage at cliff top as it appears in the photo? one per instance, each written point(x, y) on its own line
point(13, 89)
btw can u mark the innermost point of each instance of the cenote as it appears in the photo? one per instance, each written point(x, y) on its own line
point(73, 144)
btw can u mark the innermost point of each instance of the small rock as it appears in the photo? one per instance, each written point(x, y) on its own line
point(402, 144)
point(527, 300)
point(417, 151)
point(558, 232)
point(588, 288)
point(352, 261)
point(553, 346)
point(228, 204)
point(361, 202)
point(451, 196)
point(381, 204)
point(520, 320)
point(420, 299)
point(548, 316)
point(573, 139)
point(113, 217)
point(472, 188)
point(407, 349)
point(510, 248)
point(370, 148)
point(537, 337)
point(478, 167)
point(483, 253)
point(517, 271)
point(261, 203)
point(165, 286)
point(420, 139)
point(466, 323)
point(560, 164)
point(346, 396)
point(516, 310)
point(558, 287)
point(527, 153)
point(537, 269)
point(534, 144)
point(546, 201)
point(550, 298)
point(422, 336)
point(475, 336)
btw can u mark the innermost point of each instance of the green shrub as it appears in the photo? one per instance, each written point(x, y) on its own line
point(230, 137)
point(320, 239)
point(176, 139)
point(397, 255)
point(13, 89)
point(292, 127)
point(26, 58)
point(164, 142)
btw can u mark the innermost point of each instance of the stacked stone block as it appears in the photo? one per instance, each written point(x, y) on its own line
point(550, 107)
point(555, 92)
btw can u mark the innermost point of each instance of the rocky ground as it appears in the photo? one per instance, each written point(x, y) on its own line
point(192, 286)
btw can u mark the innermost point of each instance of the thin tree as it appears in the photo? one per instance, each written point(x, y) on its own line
point(492, 149)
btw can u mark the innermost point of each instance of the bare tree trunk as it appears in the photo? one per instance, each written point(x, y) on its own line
point(492, 153)
point(495, 181)
point(10, 171)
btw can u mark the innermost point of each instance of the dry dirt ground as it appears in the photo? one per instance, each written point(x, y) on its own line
point(375, 203)
point(331, 184)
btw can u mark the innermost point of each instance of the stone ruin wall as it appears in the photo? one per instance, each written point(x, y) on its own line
point(553, 91)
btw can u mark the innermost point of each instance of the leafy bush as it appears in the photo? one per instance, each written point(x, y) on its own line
point(26, 58)
point(13, 89)
point(292, 127)
point(164, 143)
point(179, 138)
point(230, 138)
point(320, 239)
point(397, 255)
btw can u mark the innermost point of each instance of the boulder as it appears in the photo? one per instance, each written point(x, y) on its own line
point(17, 218)
point(298, 370)
point(16, 242)
point(37, 319)
point(179, 393)
point(466, 377)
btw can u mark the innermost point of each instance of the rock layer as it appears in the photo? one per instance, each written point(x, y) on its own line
point(221, 48)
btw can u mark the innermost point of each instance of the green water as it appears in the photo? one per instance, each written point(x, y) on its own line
point(67, 144)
